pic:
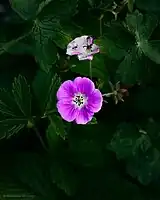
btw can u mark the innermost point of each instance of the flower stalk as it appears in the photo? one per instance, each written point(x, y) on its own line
point(90, 69)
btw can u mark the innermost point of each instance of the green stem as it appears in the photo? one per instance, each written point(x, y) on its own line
point(90, 69)
point(108, 94)
point(40, 138)
point(100, 24)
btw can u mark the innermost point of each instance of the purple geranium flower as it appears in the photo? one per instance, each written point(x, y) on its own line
point(78, 100)
point(83, 47)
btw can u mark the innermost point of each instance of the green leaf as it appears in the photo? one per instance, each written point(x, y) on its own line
point(11, 126)
point(116, 41)
point(26, 9)
point(47, 32)
point(151, 49)
point(64, 177)
point(46, 54)
point(145, 167)
point(15, 45)
point(10, 190)
point(22, 95)
point(15, 108)
point(133, 21)
point(130, 70)
point(141, 25)
point(91, 3)
point(46, 93)
point(93, 121)
point(148, 5)
point(23, 180)
point(49, 27)
point(112, 49)
point(85, 145)
point(53, 140)
point(58, 126)
point(83, 67)
point(29, 9)
point(134, 146)
point(152, 128)
point(127, 141)
point(61, 9)
point(131, 5)
point(31, 169)
point(20, 47)
point(8, 106)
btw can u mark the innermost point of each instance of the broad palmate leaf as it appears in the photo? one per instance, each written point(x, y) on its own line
point(46, 32)
point(134, 146)
point(127, 141)
point(45, 87)
point(15, 107)
point(151, 49)
point(28, 9)
point(130, 70)
point(141, 25)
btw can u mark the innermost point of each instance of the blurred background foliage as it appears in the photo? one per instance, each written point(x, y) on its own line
point(116, 155)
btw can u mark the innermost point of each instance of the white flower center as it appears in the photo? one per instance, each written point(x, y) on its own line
point(79, 100)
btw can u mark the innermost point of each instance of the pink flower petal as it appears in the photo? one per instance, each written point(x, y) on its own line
point(89, 40)
point(75, 51)
point(79, 46)
point(85, 56)
point(72, 52)
point(90, 57)
point(67, 110)
point(84, 85)
point(82, 40)
point(88, 53)
point(66, 90)
point(95, 49)
point(75, 47)
point(95, 101)
point(84, 116)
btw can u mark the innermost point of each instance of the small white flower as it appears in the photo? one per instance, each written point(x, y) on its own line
point(83, 47)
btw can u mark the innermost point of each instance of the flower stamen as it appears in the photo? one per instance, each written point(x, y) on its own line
point(79, 100)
